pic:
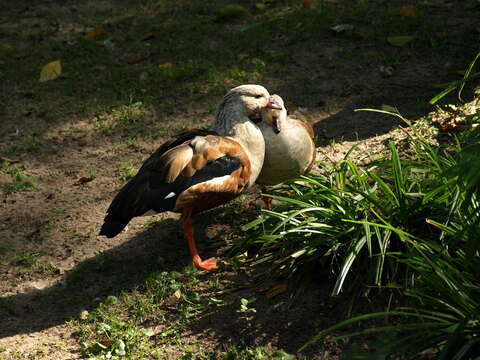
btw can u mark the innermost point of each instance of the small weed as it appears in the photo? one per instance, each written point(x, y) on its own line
point(27, 261)
point(243, 352)
point(31, 263)
point(37, 353)
point(244, 306)
point(129, 114)
point(20, 181)
point(117, 327)
point(127, 169)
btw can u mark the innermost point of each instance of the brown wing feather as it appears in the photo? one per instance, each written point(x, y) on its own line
point(214, 192)
point(153, 162)
point(175, 160)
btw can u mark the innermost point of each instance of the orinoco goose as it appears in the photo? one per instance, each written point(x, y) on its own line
point(198, 170)
point(290, 149)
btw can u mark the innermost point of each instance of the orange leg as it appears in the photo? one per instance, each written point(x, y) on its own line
point(209, 264)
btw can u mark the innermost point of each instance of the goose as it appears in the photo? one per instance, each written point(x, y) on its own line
point(290, 149)
point(198, 170)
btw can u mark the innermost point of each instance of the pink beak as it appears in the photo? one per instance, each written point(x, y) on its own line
point(272, 105)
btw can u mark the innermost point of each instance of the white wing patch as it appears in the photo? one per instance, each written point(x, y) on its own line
point(172, 194)
point(218, 180)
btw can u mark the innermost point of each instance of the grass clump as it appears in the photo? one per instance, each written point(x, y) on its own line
point(20, 181)
point(407, 222)
point(127, 325)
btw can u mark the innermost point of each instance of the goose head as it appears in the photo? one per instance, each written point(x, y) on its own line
point(274, 113)
point(241, 102)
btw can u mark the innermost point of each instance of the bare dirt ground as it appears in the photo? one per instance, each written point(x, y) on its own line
point(52, 263)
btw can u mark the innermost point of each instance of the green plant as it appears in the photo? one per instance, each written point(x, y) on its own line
point(442, 286)
point(333, 217)
point(20, 181)
point(127, 169)
point(460, 84)
point(31, 263)
point(245, 306)
point(118, 327)
point(444, 312)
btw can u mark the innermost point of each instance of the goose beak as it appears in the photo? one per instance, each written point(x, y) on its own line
point(276, 125)
point(272, 105)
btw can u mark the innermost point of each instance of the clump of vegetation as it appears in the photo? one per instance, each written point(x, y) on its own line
point(20, 181)
point(31, 263)
point(408, 223)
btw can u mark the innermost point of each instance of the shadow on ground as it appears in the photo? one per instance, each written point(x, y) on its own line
point(121, 268)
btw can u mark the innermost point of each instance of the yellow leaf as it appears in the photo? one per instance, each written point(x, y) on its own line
point(410, 11)
point(51, 71)
point(309, 4)
point(92, 35)
point(4, 47)
point(174, 298)
point(276, 290)
point(165, 66)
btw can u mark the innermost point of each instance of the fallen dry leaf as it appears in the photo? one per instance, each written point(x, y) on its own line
point(51, 71)
point(309, 4)
point(441, 34)
point(135, 59)
point(4, 47)
point(449, 127)
point(341, 28)
point(276, 290)
point(83, 180)
point(174, 298)
point(408, 11)
point(106, 342)
point(386, 71)
point(94, 34)
point(165, 65)
point(148, 36)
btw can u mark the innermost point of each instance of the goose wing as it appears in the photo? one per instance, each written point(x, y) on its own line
point(197, 170)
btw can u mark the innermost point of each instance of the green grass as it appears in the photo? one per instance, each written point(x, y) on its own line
point(125, 325)
point(127, 169)
point(150, 321)
point(405, 225)
point(20, 181)
point(206, 55)
point(31, 264)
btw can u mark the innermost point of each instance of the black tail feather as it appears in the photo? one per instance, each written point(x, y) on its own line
point(112, 226)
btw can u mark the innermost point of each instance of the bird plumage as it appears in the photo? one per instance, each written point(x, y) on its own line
point(197, 170)
point(290, 149)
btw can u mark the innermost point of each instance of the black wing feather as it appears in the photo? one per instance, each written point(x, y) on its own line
point(147, 190)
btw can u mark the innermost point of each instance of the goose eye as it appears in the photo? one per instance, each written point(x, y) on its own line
point(258, 96)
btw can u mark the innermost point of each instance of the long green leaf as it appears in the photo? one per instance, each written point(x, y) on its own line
point(349, 259)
